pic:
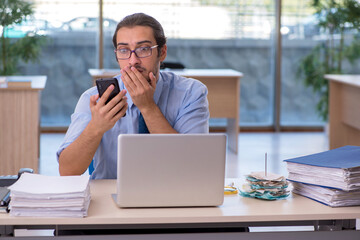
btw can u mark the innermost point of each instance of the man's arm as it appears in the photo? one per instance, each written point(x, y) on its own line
point(155, 120)
point(193, 116)
point(75, 159)
point(142, 94)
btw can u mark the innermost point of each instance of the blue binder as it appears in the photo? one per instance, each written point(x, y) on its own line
point(344, 157)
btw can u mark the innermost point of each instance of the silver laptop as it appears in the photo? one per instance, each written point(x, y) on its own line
point(170, 170)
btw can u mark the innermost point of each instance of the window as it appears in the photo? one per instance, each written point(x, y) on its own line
point(201, 34)
point(300, 35)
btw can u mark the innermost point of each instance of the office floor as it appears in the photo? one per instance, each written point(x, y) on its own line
point(252, 149)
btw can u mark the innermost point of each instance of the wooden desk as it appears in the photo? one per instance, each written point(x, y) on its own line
point(344, 110)
point(224, 94)
point(236, 211)
point(19, 125)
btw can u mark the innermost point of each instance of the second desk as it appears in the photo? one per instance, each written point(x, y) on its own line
point(224, 94)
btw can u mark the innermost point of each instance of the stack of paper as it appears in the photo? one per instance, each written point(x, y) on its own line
point(268, 186)
point(338, 168)
point(329, 196)
point(50, 196)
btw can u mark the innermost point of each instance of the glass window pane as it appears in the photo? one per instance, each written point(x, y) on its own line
point(201, 34)
point(299, 35)
point(215, 34)
point(70, 27)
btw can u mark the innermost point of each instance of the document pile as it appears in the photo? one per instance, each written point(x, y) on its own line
point(268, 186)
point(329, 196)
point(50, 196)
point(331, 177)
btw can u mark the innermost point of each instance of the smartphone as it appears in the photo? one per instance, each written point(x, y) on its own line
point(103, 83)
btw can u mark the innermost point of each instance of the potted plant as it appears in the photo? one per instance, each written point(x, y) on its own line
point(26, 48)
point(335, 18)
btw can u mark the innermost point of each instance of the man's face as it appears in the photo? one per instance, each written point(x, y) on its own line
point(140, 36)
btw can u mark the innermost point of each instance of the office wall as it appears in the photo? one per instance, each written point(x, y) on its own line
point(67, 58)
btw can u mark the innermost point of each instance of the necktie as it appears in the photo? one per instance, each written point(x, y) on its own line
point(142, 125)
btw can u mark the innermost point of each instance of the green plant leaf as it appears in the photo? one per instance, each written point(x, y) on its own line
point(14, 50)
point(326, 58)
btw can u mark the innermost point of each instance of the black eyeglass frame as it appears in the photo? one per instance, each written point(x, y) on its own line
point(134, 51)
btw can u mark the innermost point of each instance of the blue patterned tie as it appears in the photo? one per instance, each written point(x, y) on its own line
point(142, 125)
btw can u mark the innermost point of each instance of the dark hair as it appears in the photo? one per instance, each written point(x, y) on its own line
point(141, 19)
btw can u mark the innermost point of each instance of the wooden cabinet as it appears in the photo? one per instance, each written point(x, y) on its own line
point(344, 110)
point(19, 125)
point(223, 96)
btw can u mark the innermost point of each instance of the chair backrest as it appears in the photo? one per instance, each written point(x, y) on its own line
point(172, 65)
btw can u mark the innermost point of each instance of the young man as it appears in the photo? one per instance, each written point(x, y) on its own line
point(168, 103)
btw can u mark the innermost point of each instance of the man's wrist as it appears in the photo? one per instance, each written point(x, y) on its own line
point(93, 131)
point(149, 109)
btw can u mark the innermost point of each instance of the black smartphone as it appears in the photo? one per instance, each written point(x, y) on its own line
point(103, 83)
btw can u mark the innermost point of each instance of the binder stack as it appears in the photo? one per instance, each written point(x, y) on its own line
point(331, 177)
point(35, 195)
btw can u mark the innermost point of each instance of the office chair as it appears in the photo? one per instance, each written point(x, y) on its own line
point(10, 179)
point(172, 65)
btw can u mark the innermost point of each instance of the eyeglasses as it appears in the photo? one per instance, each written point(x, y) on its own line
point(140, 52)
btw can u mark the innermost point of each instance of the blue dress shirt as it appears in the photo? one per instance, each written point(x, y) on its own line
point(183, 102)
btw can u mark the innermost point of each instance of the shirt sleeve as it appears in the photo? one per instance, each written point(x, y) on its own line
point(79, 120)
point(194, 115)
